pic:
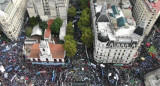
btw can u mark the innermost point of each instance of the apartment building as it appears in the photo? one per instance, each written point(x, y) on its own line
point(48, 9)
point(12, 17)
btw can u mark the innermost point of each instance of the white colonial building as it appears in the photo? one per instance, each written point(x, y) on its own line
point(47, 52)
point(148, 10)
point(12, 17)
point(117, 37)
point(48, 9)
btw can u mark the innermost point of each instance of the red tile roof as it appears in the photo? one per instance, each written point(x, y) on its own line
point(47, 33)
point(57, 51)
point(34, 53)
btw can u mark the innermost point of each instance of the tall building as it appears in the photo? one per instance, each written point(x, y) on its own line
point(12, 17)
point(48, 9)
point(117, 37)
point(147, 10)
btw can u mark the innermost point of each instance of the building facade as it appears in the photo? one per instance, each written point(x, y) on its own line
point(12, 17)
point(117, 37)
point(147, 10)
point(48, 9)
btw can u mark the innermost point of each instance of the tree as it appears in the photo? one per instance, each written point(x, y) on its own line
point(68, 37)
point(83, 29)
point(28, 31)
point(43, 25)
point(32, 22)
point(87, 37)
point(55, 26)
point(72, 11)
point(84, 19)
point(70, 48)
point(84, 4)
point(70, 28)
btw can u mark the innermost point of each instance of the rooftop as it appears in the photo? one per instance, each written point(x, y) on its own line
point(57, 51)
point(4, 4)
point(155, 4)
point(36, 30)
point(47, 32)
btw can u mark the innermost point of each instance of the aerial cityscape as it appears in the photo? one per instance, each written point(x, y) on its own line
point(79, 43)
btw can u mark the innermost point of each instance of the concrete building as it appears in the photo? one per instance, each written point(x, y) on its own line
point(48, 9)
point(117, 37)
point(152, 78)
point(12, 17)
point(147, 10)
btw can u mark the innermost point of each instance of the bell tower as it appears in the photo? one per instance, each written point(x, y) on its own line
point(44, 49)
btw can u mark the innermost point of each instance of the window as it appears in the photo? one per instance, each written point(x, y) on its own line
point(99, 57)
point(60, 60)
point(129, 55)
point(34, 60)
point(47, 60)
point(55, 60)
point(39, 60)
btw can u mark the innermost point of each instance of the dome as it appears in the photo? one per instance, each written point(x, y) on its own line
point(102, 36)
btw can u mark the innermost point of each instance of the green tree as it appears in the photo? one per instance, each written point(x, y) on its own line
point(70, 28)
point(43, 25)
point(87, 38)
point(68, 37)
point(84, 19)
point(28, 31)
point(32, 21)
point(83, 29)
point(38, 18)
point(84, 4)
point(70, 48)
point(72, 11)
point(55, 26)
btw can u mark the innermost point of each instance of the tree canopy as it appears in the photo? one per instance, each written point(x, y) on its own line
point(43, 25)
point(85, 18)
point(70, 28)
point(87, 37)
point(55, 26)
point(69, 37)
point(84, 4)
point(32, 21)
point(72, 11)
point(70, 48)
point(28, 31)
point(70, 45)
